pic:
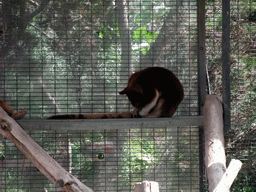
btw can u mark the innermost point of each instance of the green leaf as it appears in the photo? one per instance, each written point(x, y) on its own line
point(140, 33)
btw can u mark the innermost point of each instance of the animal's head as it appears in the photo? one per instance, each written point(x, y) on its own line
point(135, 95)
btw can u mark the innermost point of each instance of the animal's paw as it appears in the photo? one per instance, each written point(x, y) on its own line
point(135, 114)
point(19, 115)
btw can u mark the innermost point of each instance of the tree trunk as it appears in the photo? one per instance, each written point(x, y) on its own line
point(146, 186)
point(124, 31)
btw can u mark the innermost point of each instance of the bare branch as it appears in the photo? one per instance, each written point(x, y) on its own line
point(39, 9)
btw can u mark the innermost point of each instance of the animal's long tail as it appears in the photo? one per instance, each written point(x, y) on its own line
point(93, 116)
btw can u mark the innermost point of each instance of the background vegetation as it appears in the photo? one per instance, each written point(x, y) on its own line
point(74, 56)
point(241, 137)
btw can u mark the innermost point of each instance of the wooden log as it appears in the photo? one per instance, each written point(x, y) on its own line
point(43, 162)
point(229, 176)
point(146, 186)
point(215, 160)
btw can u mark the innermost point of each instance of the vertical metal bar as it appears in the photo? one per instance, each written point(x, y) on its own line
point(226, 63)
point(202, 88)
point(201, 159)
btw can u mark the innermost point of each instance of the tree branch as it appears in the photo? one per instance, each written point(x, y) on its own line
point(39, 9)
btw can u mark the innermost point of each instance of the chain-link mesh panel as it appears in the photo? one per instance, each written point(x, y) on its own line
point(62, 57)
point(240, 141)
point(74, 57)
point(109, 160)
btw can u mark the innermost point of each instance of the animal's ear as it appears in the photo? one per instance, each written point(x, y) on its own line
point(124, 91)
point(135, 88)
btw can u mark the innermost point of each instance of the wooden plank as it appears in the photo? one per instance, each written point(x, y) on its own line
point(229, 176)
point(10, 129)
point(92, 124)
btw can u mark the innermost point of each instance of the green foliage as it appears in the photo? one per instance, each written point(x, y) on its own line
point(141, 34)
point(241, 136)
point(144, 37)
point(67, 59)
point(2, 156)
point(137, 158)
point(245, 182)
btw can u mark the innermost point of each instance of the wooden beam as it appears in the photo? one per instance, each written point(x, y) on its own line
point(43, 162)
point(92, 124)
point(229, 176)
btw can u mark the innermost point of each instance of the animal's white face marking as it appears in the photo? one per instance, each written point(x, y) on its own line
point(145, 110)
point(157, 111)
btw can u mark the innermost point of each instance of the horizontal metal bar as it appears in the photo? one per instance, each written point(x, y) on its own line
point(92, 124)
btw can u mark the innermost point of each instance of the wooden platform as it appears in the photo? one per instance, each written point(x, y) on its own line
point(92, 124)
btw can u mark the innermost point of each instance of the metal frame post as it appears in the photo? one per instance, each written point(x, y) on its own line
point(226, 63)
point(202, 87)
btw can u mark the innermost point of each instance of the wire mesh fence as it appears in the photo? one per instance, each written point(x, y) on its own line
point(62, 57)
point(110, 160)
point(75, 56)
point(240, 141)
